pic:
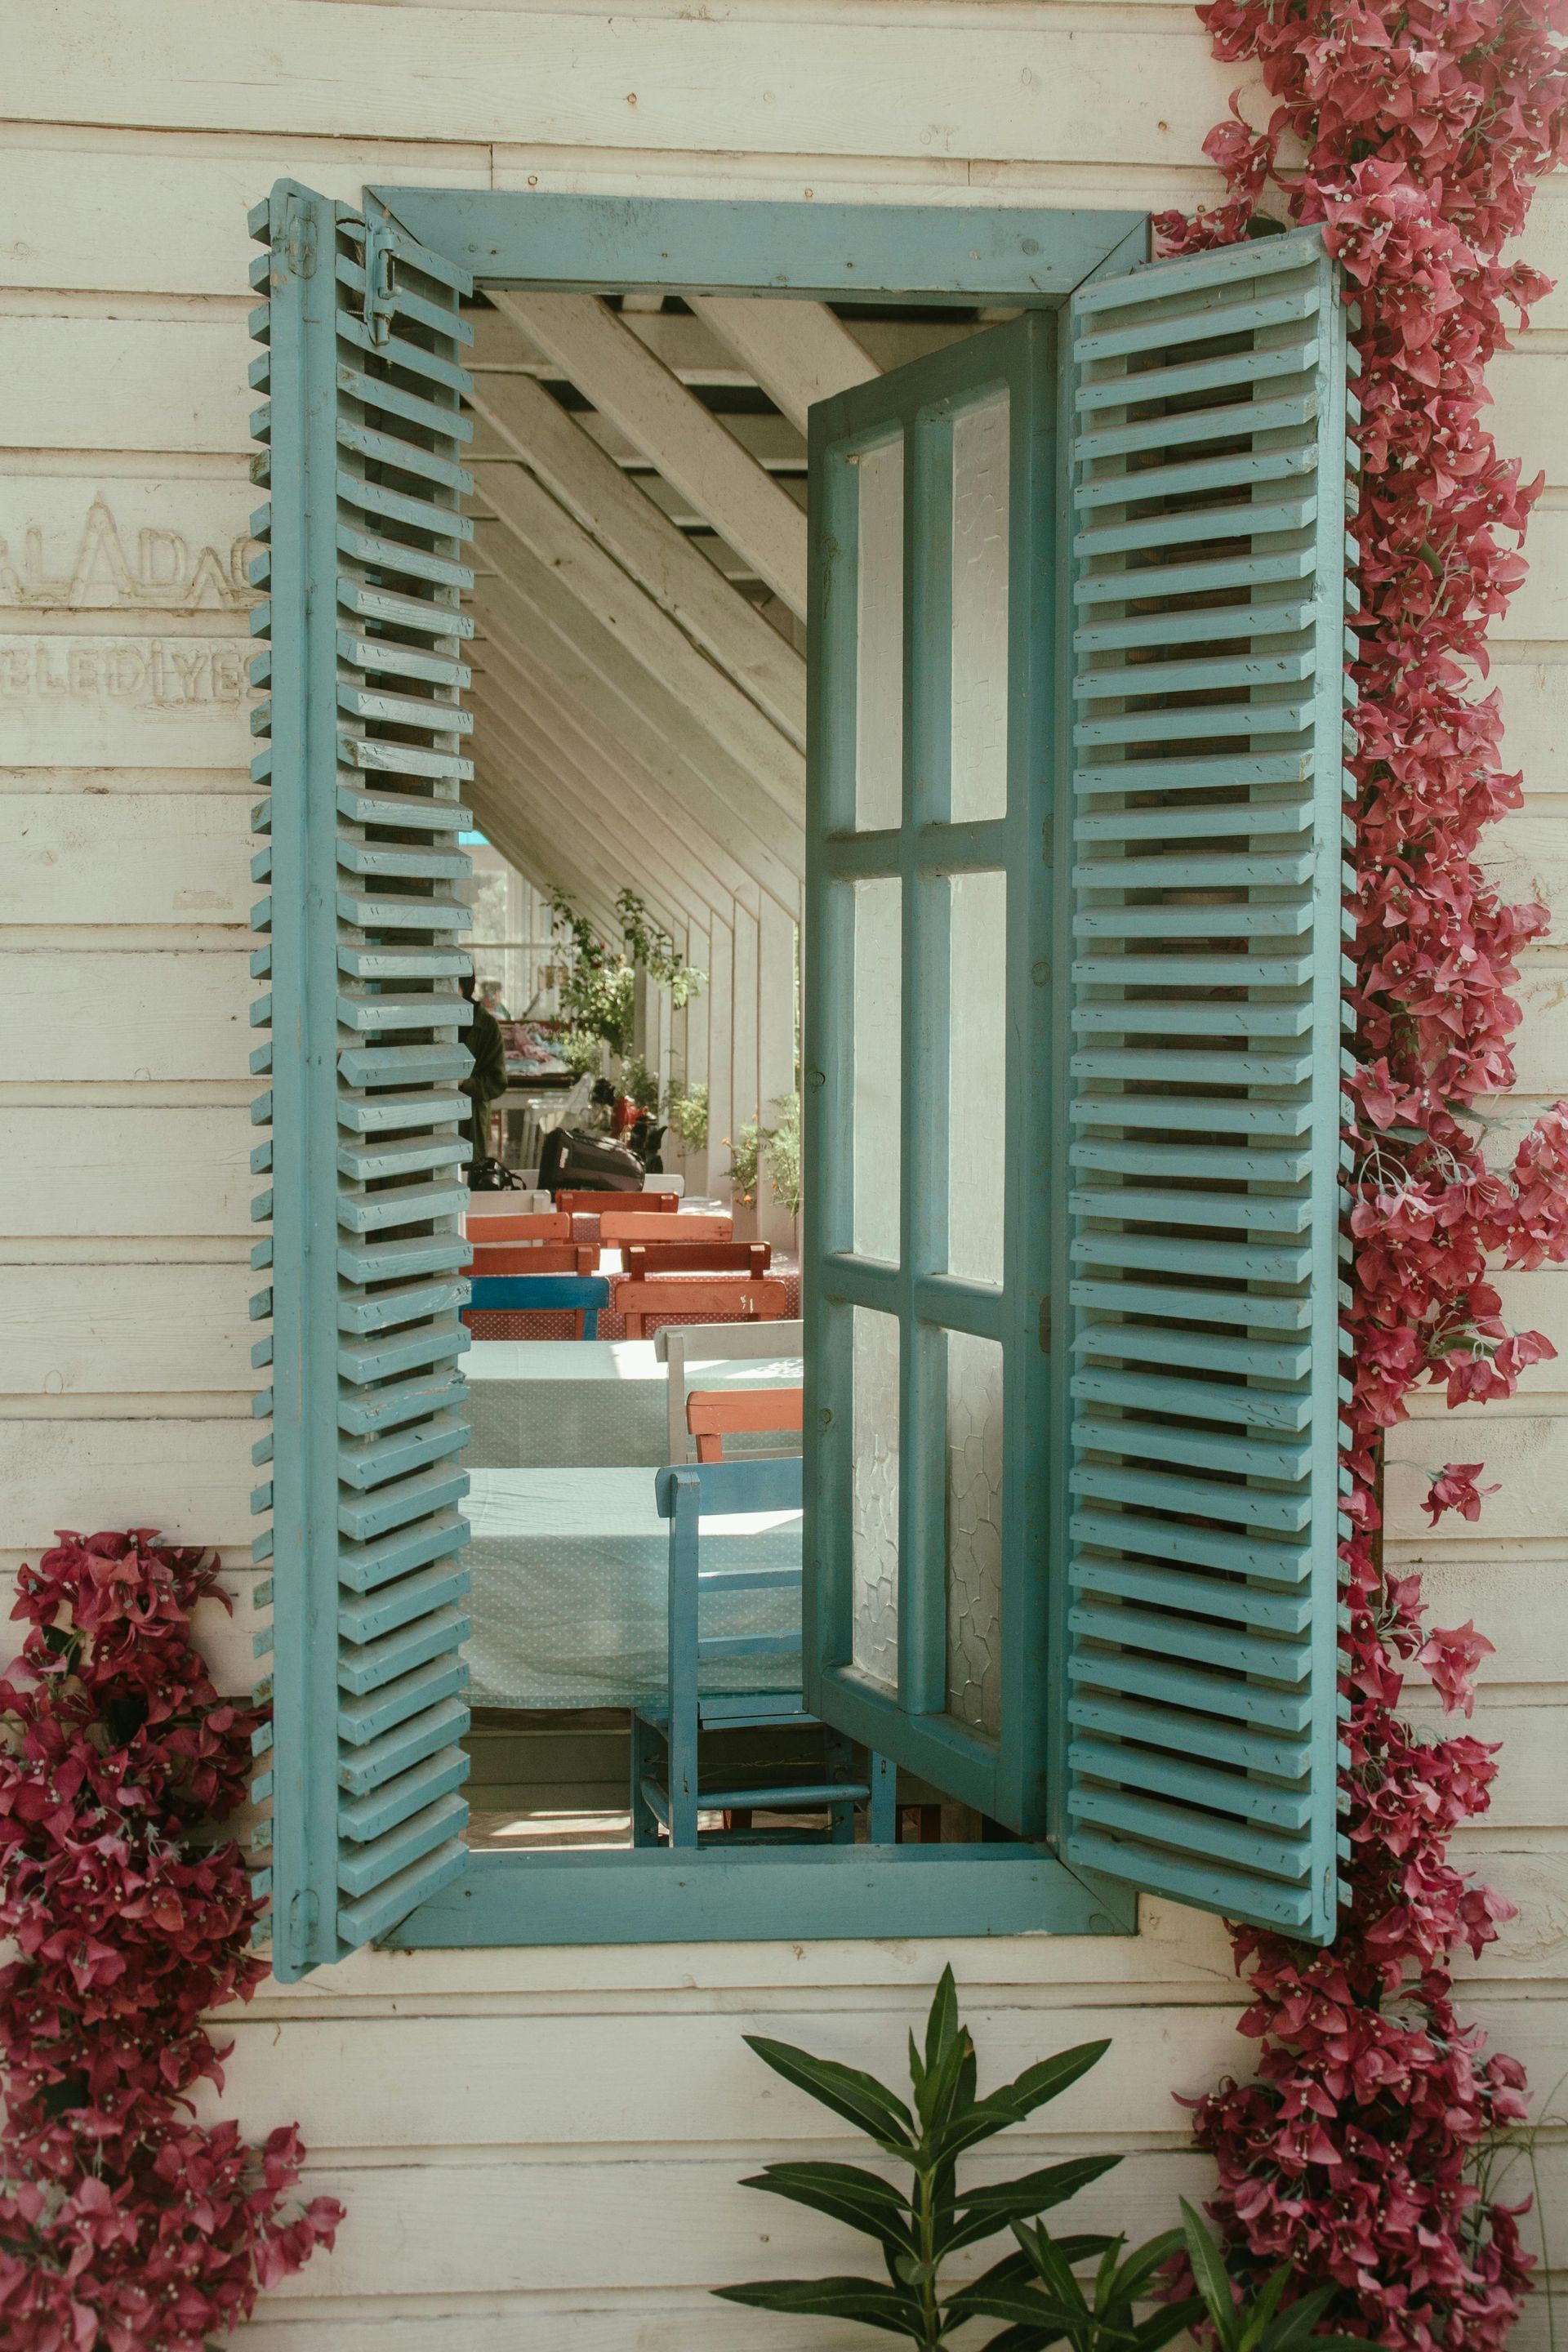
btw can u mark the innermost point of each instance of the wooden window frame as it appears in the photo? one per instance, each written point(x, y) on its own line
point(935, 255)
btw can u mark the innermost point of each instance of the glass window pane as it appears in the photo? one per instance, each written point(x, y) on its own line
point(980, 460)
point(878, 1078)
point(880, 664)
point(973, 1487)
point(874, 1645)
point(977, 1074)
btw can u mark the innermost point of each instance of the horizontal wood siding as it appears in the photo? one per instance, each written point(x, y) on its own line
point(538, 2149)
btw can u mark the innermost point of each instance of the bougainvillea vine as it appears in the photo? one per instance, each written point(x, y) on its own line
point(1411, 130)
point(125, 2224)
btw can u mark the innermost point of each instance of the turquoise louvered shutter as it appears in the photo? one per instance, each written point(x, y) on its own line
point(362, 765)
point(1209, 597)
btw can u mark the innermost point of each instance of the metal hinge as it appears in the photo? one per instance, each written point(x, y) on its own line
point(299, 242)
point(380, 280)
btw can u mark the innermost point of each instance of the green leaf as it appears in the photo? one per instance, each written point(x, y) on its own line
point(1211, 2276)
point(1260, 2315)
point(985, 2210)
point(1051, 2076)
point(1051, 2265)
point(1169, 2320)
point(867, 2300)
point(941, 2025)
point(1137, 2273)
point(846, 2193)
point(1296, 2324)
point(982, 2119)
point(1025, 2305)
point(938, 2097)
point(859, 2098)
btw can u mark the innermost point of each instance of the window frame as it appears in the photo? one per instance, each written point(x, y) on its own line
point(935, 254)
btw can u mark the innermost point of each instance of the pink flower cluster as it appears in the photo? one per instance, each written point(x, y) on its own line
point(125, 2224)
point(1410, 130)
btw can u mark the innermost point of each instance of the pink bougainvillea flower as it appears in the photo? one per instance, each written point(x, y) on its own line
point(1451, 1656)
point(1454, 1488)
point(1412, 131)
point(123, 2224)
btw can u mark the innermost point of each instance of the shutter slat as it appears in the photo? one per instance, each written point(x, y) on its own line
point(1188, 528)
point(396, 1402)
point(366, 1568)
point(439, 619)
point(362, 1868)
point(375, 1460)
point(1284, 1613)
point(370, 1113)
point(1143, 1392)
point(1205, 1004)
point(1228, 472)
point(1226, 1792)
point(1147, 1343)
point(407, 1204)
point(1186, 1734)
point(367, 1667)
point(365, 495)
point(1195, 428)
point(364, 1621)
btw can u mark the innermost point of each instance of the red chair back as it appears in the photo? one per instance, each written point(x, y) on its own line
point(617, 1226)
point(715, 1297)
point(552, 1226)
point(713, 1414)
point(534, 1257)
point(643, 1259)
point(591, 1204)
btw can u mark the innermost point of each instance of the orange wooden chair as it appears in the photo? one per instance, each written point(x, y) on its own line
point(593, 1205)
point(534, 1257)
point(617, 1227)
point(713, 1414)
point(643, 1259)
point(723, 1297)
point(536, 1226)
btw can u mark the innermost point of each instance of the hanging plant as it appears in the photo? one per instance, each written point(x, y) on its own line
point(125, 2226)
point(1421, 123)
point(598, 1000)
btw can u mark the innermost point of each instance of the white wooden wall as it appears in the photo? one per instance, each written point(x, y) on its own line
point(539, 2150)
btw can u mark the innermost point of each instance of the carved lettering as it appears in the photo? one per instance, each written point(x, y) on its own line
point(159, 673)
point(162, 571)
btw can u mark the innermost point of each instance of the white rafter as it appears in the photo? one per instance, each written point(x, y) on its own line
point(798, 351)
point(619, 375)
point(522, 599)
point(711, 699)
point(527, 422)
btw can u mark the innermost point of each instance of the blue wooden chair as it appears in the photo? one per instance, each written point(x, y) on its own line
point(582, 1294)
point(667, 1734)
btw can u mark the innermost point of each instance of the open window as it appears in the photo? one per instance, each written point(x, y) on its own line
point(1075, 808)
point(933, 494)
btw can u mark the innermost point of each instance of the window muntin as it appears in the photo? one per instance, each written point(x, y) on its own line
point(941, 1233)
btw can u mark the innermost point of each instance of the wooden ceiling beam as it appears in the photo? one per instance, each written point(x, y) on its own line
point(798, 351)
point(615, 370)
point(527, 422)
point(521, 602)
point(711, 698)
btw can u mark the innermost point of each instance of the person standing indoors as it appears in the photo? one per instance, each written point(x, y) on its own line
point(487, 1079)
